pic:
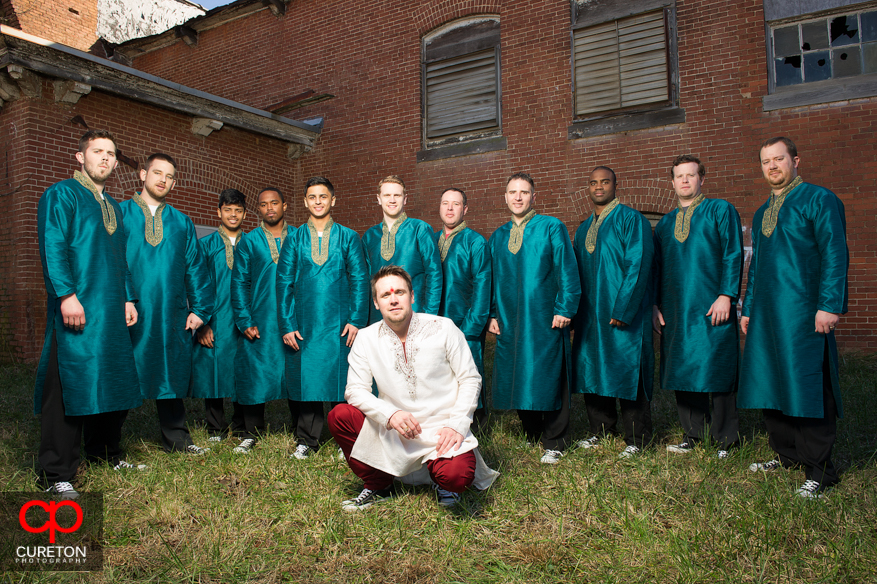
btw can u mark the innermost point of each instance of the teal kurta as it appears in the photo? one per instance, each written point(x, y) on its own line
point(801, 268)
point(529, 288)
point(689, 276)
point(608, 360)
point(318, 295)
point(260, 363)
point(80, 257)
point(466, 291)
point(172, 280)
point(414, 250)
point(213, 368)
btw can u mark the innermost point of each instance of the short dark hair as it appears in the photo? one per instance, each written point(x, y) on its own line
point(320, 180)
point(232, 197)
point(390, 270)
point(161, 156)
point(609, 170)
point(685, 159)
point(272, 189)
point(521, 176)
point(96, 135)
point(457, 190)
point(790, 146)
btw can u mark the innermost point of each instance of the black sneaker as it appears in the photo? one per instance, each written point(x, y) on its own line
point(245, 446)
point(366, 499)
point(125, 465)
point(592, 442)
point(766, 466)
point(302, 452)
point(446, 498)
point(681, 448)
point(811, 490)
point(64, 490)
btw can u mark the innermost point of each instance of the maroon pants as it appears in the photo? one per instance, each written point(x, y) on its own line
point(451, 474)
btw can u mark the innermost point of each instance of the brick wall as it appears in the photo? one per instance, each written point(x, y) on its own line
point(39, 146)
point(370, 59)
point(70, 22)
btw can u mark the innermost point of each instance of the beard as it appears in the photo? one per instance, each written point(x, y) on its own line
point(97, 174)
point(272, 222)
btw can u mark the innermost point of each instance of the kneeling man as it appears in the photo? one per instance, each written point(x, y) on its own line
point(428, 388)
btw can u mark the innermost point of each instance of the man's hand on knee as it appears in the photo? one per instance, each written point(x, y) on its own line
point(447, 439)
point(406, 424)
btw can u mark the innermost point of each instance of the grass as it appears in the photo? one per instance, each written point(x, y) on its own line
point(264, 518)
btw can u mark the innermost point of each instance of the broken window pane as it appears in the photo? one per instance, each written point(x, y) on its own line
point(785, 41)
point(817, 66)
point(788, 70)
point(814, 36)
point(846, 62)
point(844, 30)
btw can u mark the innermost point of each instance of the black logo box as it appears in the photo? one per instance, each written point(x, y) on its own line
point(28, 548)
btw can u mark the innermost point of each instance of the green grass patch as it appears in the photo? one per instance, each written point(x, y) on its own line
point(265, 518)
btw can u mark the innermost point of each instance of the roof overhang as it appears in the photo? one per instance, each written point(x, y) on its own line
point(189, 30)
point(21, 50)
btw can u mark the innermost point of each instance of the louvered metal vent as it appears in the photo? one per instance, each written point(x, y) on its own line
point(461, 94)
point(621, 64)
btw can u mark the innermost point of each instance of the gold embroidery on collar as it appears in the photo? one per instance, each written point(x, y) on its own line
point(420, 328)
point(772, 214)
point(683, 218)
point(272, 245)
point(444, 243)
point(154, 227)
point(107, 211)
point(591, 239)
point(320, 253)
point(229, 246)
point(516, 235)
point(388, 237)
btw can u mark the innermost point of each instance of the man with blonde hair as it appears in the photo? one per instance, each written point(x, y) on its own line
point(405, 242)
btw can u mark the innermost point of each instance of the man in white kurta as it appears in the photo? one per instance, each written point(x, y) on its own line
point(428, 386)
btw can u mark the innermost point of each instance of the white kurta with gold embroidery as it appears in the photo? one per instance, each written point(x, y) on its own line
point(433, 377)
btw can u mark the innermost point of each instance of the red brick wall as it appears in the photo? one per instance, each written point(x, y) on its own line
point(39, 150)
point(56, 20)
point(370, 59)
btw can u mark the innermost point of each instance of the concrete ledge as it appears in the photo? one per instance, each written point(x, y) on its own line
point(626, 123)
point(827, 91)
point(467, 148)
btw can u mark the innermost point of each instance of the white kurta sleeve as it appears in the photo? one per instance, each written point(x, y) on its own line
point(468, 379)
point(359, 383)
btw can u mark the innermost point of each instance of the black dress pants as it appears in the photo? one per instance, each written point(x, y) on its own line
point(723, 425)
point(307, 421)
point(61, 435)
point(636, 416)
point(807, 442)
point(248, 421)
point(175, 435)
point(552, 427)
point(214, 415)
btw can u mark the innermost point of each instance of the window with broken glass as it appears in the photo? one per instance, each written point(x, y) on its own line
point(833, 47)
